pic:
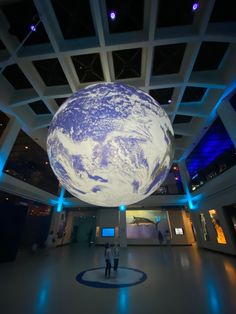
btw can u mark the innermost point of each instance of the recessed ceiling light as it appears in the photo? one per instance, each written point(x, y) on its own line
point(33, 28)
point(195, 6)
point(26, 147)
point(112, 15)
point(169, 101)
point(7, 198)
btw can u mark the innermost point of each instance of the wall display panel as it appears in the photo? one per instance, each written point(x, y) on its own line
point(179, 231)
point(145, 224)
point(108, 232)
point(204, 227)
point(62, 226)
point(220, 237)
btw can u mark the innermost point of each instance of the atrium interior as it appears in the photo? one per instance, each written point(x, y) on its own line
point(182, 238)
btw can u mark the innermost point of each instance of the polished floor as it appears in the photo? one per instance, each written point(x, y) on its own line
point(180, 280)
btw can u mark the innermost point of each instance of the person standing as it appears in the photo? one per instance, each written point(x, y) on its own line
point(116, 255)
point(168, 238)
point(90, 234)
point(107, 255)
point(50, 242)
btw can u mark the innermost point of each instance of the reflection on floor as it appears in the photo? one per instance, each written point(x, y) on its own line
point(179, 280)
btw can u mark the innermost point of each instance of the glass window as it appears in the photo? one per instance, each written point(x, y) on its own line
point(214, 154)
point(29, 162)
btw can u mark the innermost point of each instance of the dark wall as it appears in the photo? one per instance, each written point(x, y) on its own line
point(12, 221)
point(36, 230)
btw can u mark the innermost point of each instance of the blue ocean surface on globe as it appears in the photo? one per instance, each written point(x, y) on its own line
point(110, 144)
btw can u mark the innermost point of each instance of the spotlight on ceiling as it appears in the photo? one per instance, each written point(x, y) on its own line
point(112, 15)
point(169, 101)
point(33, 28)
point(195, 6)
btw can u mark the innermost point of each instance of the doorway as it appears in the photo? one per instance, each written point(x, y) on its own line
point(86, 230)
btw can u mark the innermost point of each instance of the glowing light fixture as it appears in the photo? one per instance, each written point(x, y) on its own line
point(169, 101)
point(33, 28)
point(122, 208)
point(195, 6)
point(113, 15)
point(60, 200)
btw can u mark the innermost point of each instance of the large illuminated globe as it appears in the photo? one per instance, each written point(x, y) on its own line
point(110, 144)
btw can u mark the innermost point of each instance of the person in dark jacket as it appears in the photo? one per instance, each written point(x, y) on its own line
point(108, 255)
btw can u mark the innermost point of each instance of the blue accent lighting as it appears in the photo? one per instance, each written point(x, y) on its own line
point(233, 101)
point(213, 297)
point(60, 200)
point(123, 301)
point(3, 159)
point(122, 208)
point(2, 164)
point(213, 144)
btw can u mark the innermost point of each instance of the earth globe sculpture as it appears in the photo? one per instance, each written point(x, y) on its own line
point(110, 144)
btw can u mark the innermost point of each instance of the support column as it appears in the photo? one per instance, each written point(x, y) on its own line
point(55, 226)
point(7, 141)
point(57, 216)
point(185, 180)
point(228, 116)
point(122, 228)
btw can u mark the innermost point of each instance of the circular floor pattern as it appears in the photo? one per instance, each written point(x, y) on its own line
point(125, 277)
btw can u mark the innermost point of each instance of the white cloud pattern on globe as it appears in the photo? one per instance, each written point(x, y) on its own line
point(110, 144)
